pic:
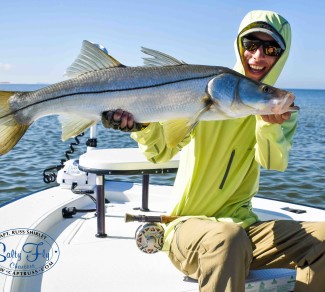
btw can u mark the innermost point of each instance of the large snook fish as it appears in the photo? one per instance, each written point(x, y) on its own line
point(166, 90)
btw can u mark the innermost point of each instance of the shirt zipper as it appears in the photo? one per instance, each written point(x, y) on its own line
point(227, 169)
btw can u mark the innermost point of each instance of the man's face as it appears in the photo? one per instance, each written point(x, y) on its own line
point(256, 63)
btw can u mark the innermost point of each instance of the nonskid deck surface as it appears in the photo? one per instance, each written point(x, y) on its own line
point(108, 264)
point(88, 263)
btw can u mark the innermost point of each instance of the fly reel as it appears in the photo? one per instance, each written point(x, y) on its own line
point(150, 237)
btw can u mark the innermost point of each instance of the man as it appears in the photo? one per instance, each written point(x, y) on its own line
point(218, 237)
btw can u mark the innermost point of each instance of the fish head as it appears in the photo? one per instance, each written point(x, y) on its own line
point(237, 96)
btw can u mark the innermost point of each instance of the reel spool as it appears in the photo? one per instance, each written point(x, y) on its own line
point(150, 237)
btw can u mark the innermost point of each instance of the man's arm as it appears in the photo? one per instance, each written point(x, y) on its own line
point(274, 138)
point(150, 137)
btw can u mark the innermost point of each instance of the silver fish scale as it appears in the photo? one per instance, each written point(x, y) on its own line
point(178, 91)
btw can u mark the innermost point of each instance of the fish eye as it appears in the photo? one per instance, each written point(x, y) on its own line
point(266, 89)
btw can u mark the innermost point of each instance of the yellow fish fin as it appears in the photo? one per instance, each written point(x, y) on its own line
point(73, 125)
point(176, 130)
point(10, 130)
point(4, 102)
point(90, 59)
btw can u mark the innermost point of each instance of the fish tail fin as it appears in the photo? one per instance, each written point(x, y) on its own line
point(10, 130)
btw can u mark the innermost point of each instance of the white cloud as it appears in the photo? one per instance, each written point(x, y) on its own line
point(5, 67)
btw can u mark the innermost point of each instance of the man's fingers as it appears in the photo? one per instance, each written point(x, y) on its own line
point(286, 116)
point(118, 115)
point(130, 123)
point(124, 120)
point(277, 119)
point(121, 120)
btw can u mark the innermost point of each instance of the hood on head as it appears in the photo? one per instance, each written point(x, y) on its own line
point(276, 26)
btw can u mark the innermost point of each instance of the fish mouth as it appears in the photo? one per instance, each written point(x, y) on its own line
point(285, 105)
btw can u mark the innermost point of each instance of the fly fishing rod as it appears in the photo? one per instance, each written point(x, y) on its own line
point(144, 218)
point(150, 236)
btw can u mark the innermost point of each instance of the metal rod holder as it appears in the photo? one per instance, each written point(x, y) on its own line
point(100, 206)
point(145, 193)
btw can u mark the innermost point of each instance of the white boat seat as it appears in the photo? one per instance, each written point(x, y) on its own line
point(121, 161)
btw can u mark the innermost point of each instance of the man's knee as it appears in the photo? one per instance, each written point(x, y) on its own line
point(228, 236)
point(228, 244)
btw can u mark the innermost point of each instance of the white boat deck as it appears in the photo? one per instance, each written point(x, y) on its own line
point(114, 263)
point(88, 263)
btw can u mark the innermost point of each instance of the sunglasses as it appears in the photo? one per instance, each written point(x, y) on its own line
point(270, 48)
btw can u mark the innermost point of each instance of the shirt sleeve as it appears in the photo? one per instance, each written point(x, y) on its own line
point(152, 143)
point(273, 142)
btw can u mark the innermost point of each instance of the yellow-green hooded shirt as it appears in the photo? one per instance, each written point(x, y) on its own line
point(220, 160)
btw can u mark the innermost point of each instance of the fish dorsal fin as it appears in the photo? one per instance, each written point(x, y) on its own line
point(74, 125)
point(91, 58)
point(159, 59)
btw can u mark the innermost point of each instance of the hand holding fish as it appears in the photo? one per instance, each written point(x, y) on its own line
point(120, 120)
point(276, 119)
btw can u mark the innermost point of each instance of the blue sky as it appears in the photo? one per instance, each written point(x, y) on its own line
point(39, 39)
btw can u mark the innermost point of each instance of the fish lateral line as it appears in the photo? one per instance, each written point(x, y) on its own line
point(106, 91)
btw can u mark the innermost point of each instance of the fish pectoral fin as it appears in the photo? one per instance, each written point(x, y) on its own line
point(91, 58)
point(10, 130)
point(176, 130)
point(72, 126)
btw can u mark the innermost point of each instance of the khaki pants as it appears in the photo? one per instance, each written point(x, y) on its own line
point(219, 255)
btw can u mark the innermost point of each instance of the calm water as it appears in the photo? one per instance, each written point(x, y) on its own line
point(21, 170)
